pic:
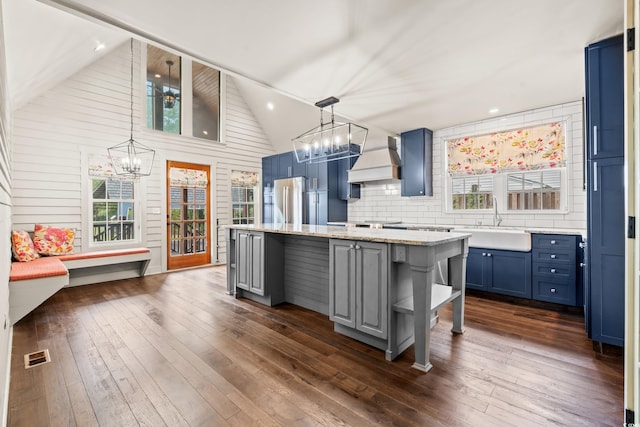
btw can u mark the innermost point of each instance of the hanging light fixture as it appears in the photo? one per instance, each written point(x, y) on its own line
point(130, 158)
point(329, 141)
point(169, 95)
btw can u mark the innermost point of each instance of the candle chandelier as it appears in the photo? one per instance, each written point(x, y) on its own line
point(130, 158)
point(329, 141)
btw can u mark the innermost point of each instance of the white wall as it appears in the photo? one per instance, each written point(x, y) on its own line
point(55, 133)
point(381, 200)
point(5, 230)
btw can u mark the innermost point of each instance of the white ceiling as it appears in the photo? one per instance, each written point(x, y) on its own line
point(396, 65)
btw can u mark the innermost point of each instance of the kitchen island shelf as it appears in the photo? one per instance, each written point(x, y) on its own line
point(440, 295)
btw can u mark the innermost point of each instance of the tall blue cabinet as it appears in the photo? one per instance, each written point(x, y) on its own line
point(606, 232)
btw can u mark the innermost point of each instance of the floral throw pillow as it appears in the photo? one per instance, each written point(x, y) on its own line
point(22, 246)
point(53, 241)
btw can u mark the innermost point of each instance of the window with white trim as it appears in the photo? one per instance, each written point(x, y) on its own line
point(472, 192)
point(112, 204)
point(244, 187)
point(113, 218)
point(524, 169)
point(534, 190)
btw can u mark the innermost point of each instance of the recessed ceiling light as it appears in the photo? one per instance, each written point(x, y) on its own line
point(270, 105)
point(493, 110)
point(157, 76)
point(99, 47)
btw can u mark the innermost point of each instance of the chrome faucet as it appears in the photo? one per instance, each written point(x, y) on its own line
point(497, 219)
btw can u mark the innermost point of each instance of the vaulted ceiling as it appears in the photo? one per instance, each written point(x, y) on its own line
point(396, 65)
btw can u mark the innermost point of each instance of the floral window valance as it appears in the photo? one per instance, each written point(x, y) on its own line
point(179, 177)
point(244, 179)
point(537, 147)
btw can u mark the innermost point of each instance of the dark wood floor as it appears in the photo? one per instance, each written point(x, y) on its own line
point(174, 349)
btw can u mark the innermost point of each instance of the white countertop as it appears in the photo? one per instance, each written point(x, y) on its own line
point(406, 237)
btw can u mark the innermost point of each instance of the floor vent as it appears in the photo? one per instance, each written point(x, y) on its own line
point(36, 358)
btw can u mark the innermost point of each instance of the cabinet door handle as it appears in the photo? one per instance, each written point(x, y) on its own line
point(553, 270)
point(357, 247)
point(553, 242)
point(484, 254)
point(553, 257)
point(595, 140)
point(553, 290)
point(582, 264)
point(351, 246)
point(489, 254)
point(289, 171)
point(595, 176)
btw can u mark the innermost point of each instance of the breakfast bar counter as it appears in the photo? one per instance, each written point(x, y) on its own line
point(376, 285)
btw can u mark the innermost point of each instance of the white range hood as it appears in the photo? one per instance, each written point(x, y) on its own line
point(378, 161)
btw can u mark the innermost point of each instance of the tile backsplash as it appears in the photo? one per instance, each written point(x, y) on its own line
point(381, 200)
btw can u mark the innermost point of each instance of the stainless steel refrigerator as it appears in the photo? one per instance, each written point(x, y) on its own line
point(288, 201)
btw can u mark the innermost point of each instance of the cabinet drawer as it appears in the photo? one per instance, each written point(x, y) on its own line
point(555, 241)
point(554, 256)
point(554, 270)
point(554, 291)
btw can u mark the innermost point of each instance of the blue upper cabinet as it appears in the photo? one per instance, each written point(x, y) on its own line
point(604, 107)
point(416, 156)
point(288, 166)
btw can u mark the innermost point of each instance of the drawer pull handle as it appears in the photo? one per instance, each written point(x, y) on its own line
point(553, 270)
point(484, 254)
point(553, 242)
point(553, 257)
point(553, 290)
point(489, 254)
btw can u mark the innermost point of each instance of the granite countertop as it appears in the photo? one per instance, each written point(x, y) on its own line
point(383, 235)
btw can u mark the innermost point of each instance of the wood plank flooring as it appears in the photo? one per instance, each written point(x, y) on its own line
point(173, 349)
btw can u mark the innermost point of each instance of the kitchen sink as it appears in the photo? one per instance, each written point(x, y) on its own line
point(496, 238)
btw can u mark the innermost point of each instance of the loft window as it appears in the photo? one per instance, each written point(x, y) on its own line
point(206, 102)
point(163, 90)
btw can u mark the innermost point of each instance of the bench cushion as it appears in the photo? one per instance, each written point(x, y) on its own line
point(101, 254)
point(41, 267)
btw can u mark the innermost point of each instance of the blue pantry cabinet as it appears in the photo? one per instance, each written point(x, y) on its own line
point(606, 233)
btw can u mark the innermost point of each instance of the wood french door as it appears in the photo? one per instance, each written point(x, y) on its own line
point(188, 215)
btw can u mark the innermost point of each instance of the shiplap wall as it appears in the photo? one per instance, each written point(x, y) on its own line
point(89, 112)
point(5, 230)
point(381, 200)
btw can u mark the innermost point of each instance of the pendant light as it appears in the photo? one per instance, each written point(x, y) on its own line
point(130, 158)
point(329, 141)
point(169, 96)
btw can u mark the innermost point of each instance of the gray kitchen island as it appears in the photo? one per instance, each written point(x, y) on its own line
point(376, 285)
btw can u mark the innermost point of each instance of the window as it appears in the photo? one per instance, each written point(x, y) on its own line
point(520, 169)
point(472, 192)
point(536, 190)
point(206, 101)
point(163, 90)
point(113, 203)
point(243, 190)
point(166, 90)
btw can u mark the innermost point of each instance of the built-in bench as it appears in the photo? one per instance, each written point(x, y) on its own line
point(31, 283)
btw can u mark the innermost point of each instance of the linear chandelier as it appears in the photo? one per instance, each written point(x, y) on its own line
point(329, 141)
point(130, 158)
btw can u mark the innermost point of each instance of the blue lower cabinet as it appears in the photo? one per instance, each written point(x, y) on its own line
point(498, 271)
